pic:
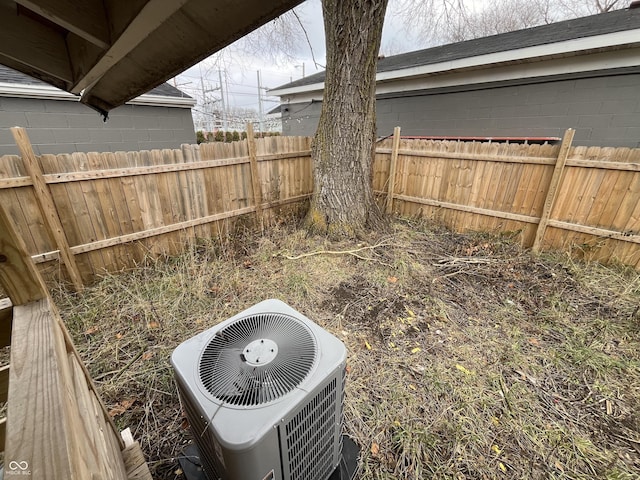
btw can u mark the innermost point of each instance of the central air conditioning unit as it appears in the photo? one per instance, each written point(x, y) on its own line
point(263, 393)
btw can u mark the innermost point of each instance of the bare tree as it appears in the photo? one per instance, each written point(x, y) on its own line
point(447, 21)
point(343, 146)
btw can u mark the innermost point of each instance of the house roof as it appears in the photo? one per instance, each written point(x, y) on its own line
point(15, 83)
point(575, 29)
point(111, 51)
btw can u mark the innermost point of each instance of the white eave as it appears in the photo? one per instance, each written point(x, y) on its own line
point(593, 45)
point(48, 92)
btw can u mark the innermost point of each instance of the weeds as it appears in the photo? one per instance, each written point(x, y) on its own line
point(468, 357)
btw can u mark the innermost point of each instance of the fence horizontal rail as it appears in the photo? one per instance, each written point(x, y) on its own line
point(54, 178)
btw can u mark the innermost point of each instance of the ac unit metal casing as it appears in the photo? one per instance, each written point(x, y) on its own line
point(264, 434)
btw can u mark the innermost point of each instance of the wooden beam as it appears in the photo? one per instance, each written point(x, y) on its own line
point(466, 208)
point(83, 53)
point(553, 188)
point(255, 178)
point(153, 14)
point(87, 18)
point(392, 169)
point(470, 156)
point(33, 46)
point(18, 275)
point(47, 207)
point(37, 420)
point(132, 237)
point(53, 178)
point(4, 383)
point(604, 165)
point(33, 72)
point(6, 321)
point(595, 231)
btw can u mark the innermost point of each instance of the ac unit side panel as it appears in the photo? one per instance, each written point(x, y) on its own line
point(256, 462)
point(310, 436)
point(203, 435)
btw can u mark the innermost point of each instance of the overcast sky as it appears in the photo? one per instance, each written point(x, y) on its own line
point(240, 70)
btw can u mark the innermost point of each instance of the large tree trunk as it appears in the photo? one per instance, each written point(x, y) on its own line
point(343, 146)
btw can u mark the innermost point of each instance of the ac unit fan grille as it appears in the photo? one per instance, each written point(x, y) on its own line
point(257, 359)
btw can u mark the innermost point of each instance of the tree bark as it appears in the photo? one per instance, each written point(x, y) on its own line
point(344, 144)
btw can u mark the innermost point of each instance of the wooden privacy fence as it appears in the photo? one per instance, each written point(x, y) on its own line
point(103, 212)
point(585, 200)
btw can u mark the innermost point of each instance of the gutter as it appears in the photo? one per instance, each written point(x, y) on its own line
point(47, 92)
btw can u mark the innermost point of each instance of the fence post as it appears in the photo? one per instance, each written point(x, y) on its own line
point(255, 179)
point(392, 169)
point(553, 188)
point(47, 207)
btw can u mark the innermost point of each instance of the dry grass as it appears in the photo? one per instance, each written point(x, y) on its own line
point(468, 357)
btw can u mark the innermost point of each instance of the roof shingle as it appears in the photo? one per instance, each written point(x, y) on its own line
point(592, 25)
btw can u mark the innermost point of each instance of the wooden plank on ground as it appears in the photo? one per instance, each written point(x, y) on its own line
point(135, 463)
point(37, 432)
point(46, 204)
point(553, 188)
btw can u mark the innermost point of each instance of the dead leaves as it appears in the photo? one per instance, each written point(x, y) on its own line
point(122, 407)
point(92, 330)
point(375, 449)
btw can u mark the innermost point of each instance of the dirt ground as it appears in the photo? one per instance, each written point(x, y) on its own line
point(469, 358)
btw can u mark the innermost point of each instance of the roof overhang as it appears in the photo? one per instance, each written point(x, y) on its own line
point(111, 51)
point(598, 52)
point(48, 92)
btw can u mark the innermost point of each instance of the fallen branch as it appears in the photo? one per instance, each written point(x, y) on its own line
point(353, 253)
point(122, 370)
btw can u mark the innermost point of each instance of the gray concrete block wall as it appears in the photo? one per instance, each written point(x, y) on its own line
point(605, 111)
point(60, 126)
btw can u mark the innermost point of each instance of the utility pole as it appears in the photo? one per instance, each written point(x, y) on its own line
point(260, 116)
point(206, 122)
point(224, 110)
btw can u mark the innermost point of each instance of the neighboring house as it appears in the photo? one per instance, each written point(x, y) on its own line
point(582, 73)
point(57, 123)
point(273, 119)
